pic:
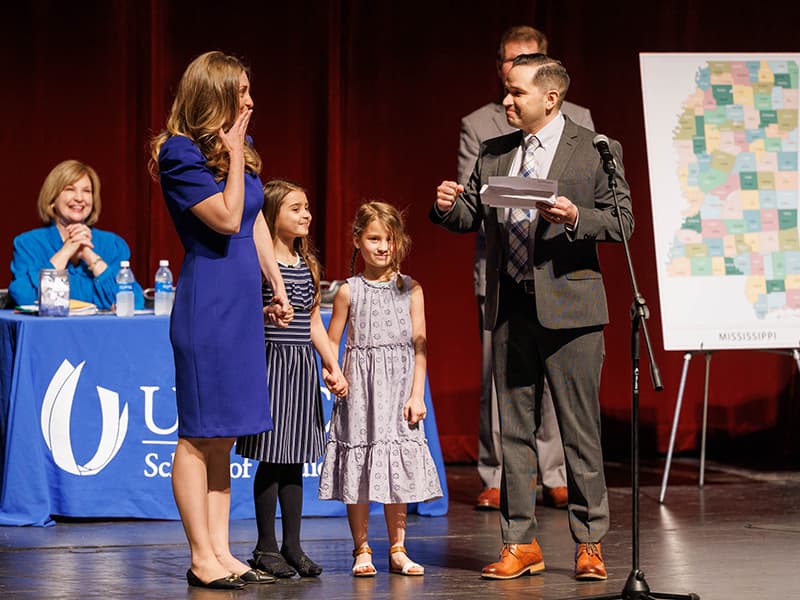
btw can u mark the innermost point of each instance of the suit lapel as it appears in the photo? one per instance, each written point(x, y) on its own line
point(561, 160)
point(564, 151)
point(504, 162)
point(503, 165)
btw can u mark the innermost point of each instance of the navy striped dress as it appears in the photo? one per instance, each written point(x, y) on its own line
point(295, 401)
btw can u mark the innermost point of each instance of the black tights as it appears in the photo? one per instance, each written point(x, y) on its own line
point(282, 482)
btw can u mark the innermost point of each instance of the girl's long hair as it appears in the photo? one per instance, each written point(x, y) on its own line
point(392, 220)
point(207, 100)
point(275, 192)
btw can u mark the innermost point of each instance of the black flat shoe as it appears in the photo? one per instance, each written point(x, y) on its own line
point(231, 582)
point(304, 566)
point(257, 576)
point(272, 563)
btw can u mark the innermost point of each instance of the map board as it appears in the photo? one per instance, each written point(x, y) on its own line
point(722, 152)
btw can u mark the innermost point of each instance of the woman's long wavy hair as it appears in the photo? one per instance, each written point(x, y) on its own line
point(207, 100)
point(275, 192)
point(392, 220)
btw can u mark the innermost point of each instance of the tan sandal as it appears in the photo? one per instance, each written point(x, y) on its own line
point(367, 570)
point(410, 569)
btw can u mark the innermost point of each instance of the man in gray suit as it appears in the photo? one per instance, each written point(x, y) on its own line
point(545, 304)
point(485, 123)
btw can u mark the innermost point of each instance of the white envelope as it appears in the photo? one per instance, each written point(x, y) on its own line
point(518, 192)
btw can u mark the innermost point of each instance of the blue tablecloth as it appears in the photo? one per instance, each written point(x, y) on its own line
point(89, 425)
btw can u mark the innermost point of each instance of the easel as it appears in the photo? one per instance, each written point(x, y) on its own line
point(794, 353)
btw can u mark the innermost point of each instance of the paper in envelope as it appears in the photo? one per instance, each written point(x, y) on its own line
point(518, 192)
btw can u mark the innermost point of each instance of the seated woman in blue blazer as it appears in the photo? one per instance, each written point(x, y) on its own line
point(69, 204)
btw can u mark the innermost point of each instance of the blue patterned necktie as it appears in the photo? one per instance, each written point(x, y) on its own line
point(519, 219)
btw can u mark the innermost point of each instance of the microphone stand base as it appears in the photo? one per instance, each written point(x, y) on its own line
point(636, 588)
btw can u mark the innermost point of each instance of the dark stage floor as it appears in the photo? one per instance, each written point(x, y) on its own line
point(736, 538)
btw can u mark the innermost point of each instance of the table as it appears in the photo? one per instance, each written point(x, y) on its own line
point(88, 424)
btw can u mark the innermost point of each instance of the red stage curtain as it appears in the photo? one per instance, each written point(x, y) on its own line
point(358, 100)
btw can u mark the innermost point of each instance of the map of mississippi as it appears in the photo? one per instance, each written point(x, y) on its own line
point(737, 148)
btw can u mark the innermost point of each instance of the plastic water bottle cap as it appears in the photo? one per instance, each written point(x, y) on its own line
point(124, 263)
point(163, 263)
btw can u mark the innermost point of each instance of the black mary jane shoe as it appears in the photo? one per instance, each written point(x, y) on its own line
point(272, 563)
point(231, 582)
point(257, 576)
point(304, 566)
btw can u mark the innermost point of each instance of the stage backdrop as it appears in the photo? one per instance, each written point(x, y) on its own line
point(357, 99)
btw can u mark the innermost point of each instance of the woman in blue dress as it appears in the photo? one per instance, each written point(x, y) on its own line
point(69, 206)
point(209, 178)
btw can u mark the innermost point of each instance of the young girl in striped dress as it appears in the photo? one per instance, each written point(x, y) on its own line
point(295, 402)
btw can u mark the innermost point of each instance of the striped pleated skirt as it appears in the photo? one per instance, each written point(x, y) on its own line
point(298, 434)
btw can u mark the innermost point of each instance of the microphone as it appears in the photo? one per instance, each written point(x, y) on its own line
point(601, 143)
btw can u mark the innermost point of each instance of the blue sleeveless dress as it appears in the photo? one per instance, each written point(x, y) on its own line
point(217, 321)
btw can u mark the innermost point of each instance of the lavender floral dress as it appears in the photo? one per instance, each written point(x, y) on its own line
point(372, 454)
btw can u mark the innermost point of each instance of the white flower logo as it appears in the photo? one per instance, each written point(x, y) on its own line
point(56, 414)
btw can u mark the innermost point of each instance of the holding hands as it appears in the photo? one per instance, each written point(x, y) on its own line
point(335, 381)
point(279, 311)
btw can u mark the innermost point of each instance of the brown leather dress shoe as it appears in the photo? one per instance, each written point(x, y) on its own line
point(555, 497)
point(488, 499)
point(589, 562)
point(515, 560)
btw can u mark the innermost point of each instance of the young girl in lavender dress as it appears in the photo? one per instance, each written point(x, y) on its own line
point(376, 450)
point(298, 434)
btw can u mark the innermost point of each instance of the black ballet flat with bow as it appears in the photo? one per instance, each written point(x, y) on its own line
point(272, 563)
point(257, 576)
point(304, 566)
point(231, 582)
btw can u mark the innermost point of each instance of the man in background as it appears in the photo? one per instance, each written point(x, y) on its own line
point(487, 122)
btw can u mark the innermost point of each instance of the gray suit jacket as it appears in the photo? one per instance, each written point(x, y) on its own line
point(478, 126)
point(568, 282)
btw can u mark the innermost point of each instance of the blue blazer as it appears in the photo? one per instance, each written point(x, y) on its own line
point(33, 250)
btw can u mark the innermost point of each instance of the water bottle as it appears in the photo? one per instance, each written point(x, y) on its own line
point(125, 289)
point(165, 293)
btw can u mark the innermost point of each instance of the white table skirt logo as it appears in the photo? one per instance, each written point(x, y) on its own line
point(56, 415)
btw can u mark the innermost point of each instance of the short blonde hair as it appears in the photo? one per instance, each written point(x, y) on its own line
point(207, 100)
point(64, 174)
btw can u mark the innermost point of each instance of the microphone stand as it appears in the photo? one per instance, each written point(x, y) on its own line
point(636, 587)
